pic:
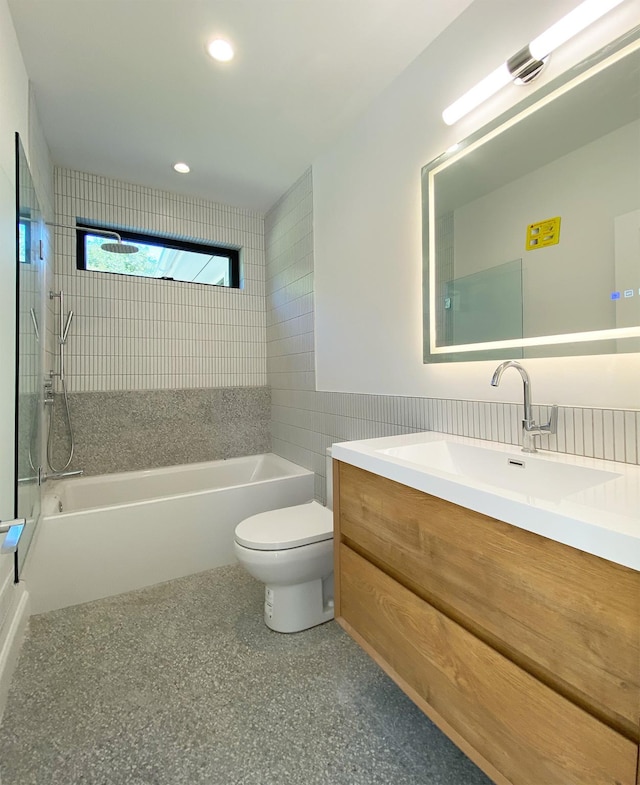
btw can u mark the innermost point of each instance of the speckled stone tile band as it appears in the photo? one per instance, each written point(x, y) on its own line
point(130, 430)
point(182, 684)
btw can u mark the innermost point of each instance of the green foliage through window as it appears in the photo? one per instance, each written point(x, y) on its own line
point(24, 250)
point(158, 257)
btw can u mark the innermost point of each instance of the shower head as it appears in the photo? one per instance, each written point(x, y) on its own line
point(116, 246)
point(119, 247)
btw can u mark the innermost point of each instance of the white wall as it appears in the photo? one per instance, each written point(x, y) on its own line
point(367, 220)
point(14, 103)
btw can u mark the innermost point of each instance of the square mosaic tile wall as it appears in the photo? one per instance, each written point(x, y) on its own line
point(133, 333)
point(305, 422)
point(159, 372)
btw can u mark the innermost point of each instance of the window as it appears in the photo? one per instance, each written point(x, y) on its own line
point(159, 257)
point(24, 240)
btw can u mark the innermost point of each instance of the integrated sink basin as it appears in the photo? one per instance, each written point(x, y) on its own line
point(588, 503)
point(530, 475)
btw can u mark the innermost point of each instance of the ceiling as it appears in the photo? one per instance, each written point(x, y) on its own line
point(125, 89)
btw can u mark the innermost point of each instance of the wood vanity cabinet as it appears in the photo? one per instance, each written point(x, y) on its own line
point(524, 651)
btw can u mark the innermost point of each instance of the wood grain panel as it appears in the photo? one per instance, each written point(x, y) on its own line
point(529, 733)
point(434, 716)
point(571, 618)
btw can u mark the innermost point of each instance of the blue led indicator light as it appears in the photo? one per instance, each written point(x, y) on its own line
point(615, 295)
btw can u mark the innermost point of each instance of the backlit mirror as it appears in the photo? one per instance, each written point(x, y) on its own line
point(531, 227)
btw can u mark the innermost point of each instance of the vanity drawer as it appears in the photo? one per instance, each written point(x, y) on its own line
point(526, 731)
point(570, 618)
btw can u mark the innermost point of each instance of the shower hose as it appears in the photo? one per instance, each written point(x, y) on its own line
point(50, 432)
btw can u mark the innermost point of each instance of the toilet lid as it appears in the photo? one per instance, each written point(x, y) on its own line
point(289, 527)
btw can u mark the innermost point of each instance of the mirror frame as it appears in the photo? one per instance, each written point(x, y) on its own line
point(513, 348)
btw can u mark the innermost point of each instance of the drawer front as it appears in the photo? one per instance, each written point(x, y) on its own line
point(569, 617)
point(529, 733)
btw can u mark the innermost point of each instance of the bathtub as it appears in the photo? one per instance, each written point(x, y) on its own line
point(101, 536)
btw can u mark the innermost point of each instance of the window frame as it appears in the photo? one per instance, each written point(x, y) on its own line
point(85, 228)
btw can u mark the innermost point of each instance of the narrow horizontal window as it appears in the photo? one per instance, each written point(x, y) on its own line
point(156, 257)
point(24, 240)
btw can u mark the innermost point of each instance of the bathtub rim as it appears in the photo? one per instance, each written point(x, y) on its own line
point(50, 493)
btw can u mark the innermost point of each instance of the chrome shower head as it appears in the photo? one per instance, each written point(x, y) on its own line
point(119, 247)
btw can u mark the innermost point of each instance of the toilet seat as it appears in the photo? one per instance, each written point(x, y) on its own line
point(289, 527)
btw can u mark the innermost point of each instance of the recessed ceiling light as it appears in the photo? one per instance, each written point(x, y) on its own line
point(182, 168)
point(220, 50)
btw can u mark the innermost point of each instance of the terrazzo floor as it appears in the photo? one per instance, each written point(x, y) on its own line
point(183, 684)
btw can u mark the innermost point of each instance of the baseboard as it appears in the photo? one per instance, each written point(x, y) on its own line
point(13, 632)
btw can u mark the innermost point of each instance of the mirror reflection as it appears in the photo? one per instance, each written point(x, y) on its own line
point(532, 227)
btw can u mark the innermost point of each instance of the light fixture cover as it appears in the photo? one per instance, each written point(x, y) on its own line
point(481, 92)
point(220, 50)
point(571, 24)
point(541, 47)
point(182, 168)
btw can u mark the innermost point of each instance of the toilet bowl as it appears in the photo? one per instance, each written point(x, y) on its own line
point(290, 550)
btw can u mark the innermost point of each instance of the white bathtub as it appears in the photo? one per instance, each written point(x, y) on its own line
point(100, 536)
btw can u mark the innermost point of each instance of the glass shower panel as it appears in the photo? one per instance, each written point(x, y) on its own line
point(484, 306)
point(29, 371)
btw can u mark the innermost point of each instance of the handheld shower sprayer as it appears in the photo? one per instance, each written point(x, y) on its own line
point(63, 331)
point(63, 337)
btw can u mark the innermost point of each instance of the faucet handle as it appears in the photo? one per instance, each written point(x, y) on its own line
point(552, 425)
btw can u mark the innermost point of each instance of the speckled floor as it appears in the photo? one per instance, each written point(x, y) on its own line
point(183, 684)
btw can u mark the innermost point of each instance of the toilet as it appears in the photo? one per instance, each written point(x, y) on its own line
point(291, 551)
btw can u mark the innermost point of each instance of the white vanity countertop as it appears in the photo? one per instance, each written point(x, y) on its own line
point(603, 519)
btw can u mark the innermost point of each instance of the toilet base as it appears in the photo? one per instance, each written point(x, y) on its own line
point(296, 608)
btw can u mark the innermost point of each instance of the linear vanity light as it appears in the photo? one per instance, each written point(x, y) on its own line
point(526, 64)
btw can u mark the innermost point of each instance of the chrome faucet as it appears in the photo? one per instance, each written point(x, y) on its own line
point(529, 428)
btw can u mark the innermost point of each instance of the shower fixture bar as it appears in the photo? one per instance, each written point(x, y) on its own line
point(64, 325)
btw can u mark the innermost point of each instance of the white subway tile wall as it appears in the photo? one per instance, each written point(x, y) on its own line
point(305, 422)
point(134, 333)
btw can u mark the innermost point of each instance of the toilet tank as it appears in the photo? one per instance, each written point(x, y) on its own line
point(328, 467)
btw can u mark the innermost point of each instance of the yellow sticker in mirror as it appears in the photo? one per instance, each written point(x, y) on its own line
point(543, 233)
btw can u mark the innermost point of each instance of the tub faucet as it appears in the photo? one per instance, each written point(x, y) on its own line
point(529, 428)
